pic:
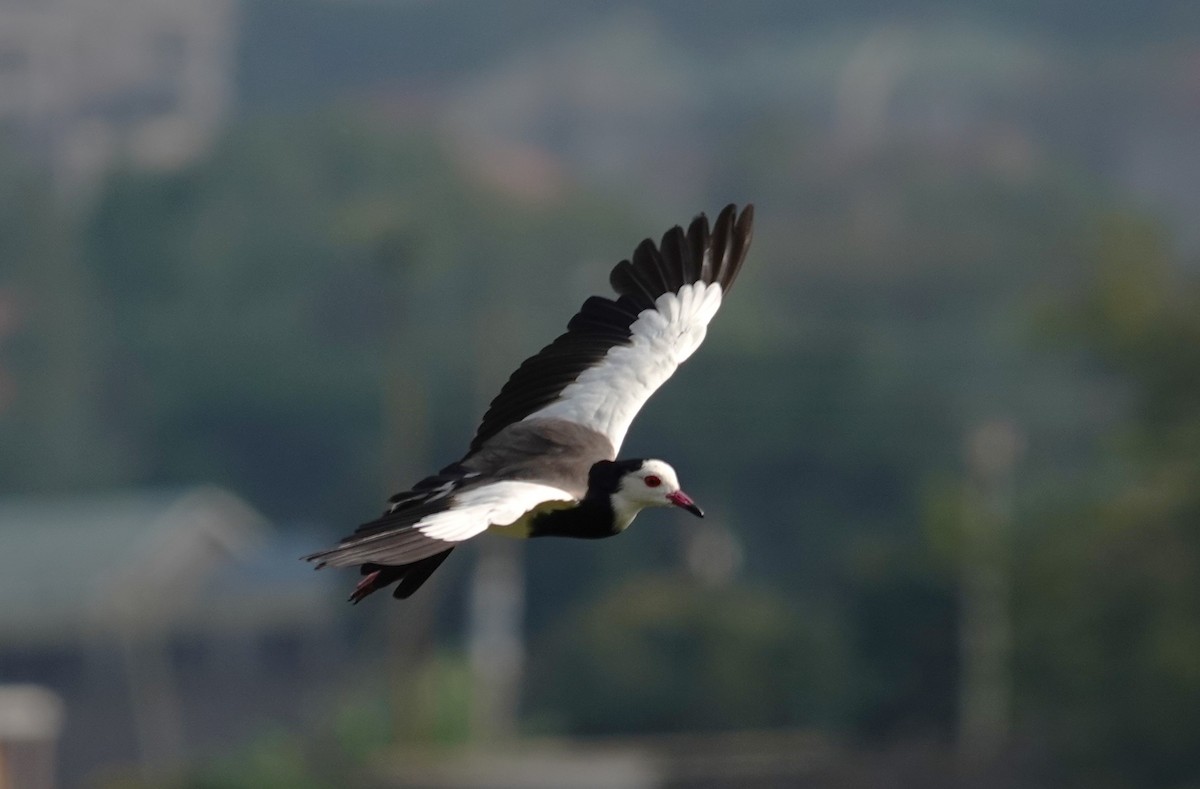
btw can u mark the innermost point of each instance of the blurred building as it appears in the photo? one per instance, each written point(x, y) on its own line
point(171, 624)
point(30, 720)
point(87, 83)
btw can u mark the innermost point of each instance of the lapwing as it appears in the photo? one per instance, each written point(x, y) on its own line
point(544, 460)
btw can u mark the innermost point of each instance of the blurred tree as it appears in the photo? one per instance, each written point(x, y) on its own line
point(658, 653)
point(250, 300)
point(1109, 612)
point(52, 431)
point(262, 300)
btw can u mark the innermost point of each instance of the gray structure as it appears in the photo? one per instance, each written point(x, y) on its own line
point(173, 625)
point(85, 84)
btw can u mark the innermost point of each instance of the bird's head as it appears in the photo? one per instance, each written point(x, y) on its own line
point(635, 484)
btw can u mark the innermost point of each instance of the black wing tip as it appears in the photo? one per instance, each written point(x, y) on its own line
point(702, 253)
point(727, 244)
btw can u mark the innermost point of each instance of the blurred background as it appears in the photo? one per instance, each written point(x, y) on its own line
point(264, 262)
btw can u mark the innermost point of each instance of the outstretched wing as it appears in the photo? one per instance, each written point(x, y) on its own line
point(420, 530)
point(616, 353)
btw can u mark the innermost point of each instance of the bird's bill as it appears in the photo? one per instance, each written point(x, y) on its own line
point(681, 499)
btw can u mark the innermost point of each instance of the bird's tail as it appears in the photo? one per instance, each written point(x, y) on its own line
point(410, 577)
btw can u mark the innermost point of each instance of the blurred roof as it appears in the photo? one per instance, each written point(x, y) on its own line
point(196, 558)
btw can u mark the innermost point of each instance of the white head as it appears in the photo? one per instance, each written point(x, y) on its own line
point(648, 483)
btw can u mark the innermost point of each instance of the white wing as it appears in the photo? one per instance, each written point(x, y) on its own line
point(397, 541)
point(616, 353)
point(607, 396)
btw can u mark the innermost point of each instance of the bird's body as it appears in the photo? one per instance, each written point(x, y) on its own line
point(543, 461)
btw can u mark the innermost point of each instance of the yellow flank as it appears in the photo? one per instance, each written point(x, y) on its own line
point(520, 528)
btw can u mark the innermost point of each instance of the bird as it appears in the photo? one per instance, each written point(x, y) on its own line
point(543, 461)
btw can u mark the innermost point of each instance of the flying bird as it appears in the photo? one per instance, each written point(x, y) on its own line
point(544, 460)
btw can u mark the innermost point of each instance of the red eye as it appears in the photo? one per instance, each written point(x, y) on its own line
point(652, 481)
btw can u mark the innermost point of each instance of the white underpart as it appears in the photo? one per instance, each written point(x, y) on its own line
point(624, 511)
point(472, 512)
point(608, 396)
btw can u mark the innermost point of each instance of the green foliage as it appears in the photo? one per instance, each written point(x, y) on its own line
point(1109, 609)
point(48, 352)
point(277, 760)
point(442, 713)
point(248, 314)
point(659, 653)
point(268, 313)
